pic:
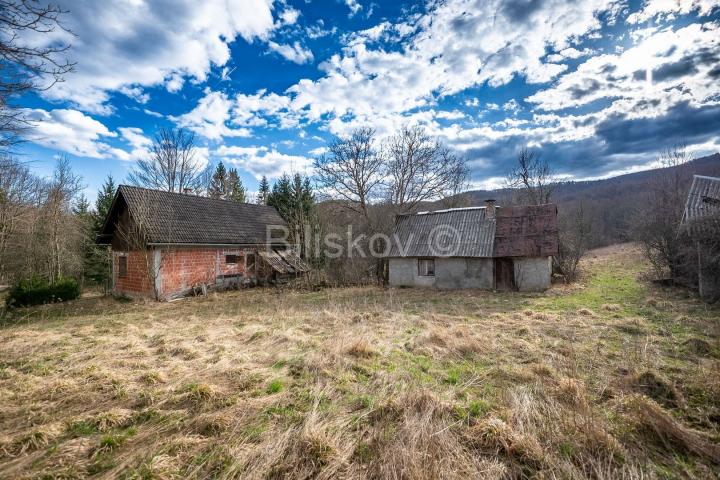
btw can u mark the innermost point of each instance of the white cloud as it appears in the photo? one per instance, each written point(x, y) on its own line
point(69, 131)
point(210, 118)
point(671, 8)
point(450, 115)
point(127, 43)
point(316, 152)
point(354, 6)
point(261, 161)
point(289, 16)
point(74, 132)
point(295, 53)
point(662, 70)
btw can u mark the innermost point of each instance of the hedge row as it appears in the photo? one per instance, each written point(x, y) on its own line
point(38, 291)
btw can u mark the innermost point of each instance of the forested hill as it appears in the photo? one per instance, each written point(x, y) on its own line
point(609, 203)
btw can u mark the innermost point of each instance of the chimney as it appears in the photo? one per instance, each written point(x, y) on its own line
point(490, 208)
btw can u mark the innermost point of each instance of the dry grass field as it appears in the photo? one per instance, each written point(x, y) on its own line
point(610, 378)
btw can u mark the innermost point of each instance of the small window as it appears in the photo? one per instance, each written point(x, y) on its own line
point(231, 259)
point(250, 263)
point(426, 267)
point(122, 267)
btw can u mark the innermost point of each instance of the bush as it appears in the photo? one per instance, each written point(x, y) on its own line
point(38, 291)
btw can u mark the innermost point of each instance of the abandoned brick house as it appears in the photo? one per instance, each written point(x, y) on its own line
point(166, 245)
point(490, 247)
point(701, 221)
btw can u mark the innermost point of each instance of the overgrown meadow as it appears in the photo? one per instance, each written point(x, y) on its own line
point(609, 378)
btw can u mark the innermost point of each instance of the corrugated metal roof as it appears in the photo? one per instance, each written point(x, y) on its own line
point(525, 231)
point(176, 218)
point(450, 233)
point(703, 198)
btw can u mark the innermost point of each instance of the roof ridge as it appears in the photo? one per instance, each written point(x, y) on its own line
point(191, 195)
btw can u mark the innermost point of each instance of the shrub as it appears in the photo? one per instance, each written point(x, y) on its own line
point(38, 291)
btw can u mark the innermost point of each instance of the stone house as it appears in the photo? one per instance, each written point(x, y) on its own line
point(166, 245)
point(701, 223)
point(490, 247)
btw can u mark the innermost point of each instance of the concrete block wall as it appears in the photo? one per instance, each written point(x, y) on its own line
point(531, 273)
point(450, 273)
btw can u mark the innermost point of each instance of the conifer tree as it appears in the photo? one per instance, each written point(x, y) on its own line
point(235, 188)
point(219, 182)
point(263, 191)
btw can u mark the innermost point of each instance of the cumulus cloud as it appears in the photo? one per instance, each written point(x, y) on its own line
point(210, 118)
point(663, 69)
point(73, 132)
point(126, 44)
point(263, 161)
point(69, 131)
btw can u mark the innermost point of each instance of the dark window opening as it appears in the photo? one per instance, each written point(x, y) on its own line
point(250, 263)
point(122, 267)
point(231, 259)
point(426, 267)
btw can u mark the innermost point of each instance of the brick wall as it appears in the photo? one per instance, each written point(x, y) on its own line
point(183, 268)
point(180, 269)
point(136, 281)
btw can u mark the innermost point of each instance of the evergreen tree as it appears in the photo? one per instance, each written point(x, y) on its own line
point(294, 200)
point(82, 206)
point(96, 257)
point(105, 196)
point(263, 191)
point(219, 182)
point(235, 188)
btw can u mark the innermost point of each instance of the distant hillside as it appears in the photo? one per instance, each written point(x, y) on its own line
point(610, 204)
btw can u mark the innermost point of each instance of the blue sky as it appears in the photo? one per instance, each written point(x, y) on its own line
point(599, 87)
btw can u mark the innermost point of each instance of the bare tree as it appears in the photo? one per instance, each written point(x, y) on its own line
point(658, 217)
point(173, 165)
point(352, 169)
point(532, 178)
point(26, 66)
point(63, 234)
point(574, 236)
point(133, 233)
point(420, 169)
point(19, 191)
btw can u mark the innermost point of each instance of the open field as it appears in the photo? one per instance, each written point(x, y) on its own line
point(611, 378)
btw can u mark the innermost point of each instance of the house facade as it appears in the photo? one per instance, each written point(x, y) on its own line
point(166, 245)
point(490, 247)
point(701, 222)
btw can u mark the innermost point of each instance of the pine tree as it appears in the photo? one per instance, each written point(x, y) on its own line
point(219, 182)
point(105, 196)
point(97, 258)
point(263, 191)
point(235, 188)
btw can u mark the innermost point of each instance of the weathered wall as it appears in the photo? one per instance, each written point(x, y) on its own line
point(183, 268)
point(450, 273)
point(179, 269)
point(137, 281)
point(532, 274)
